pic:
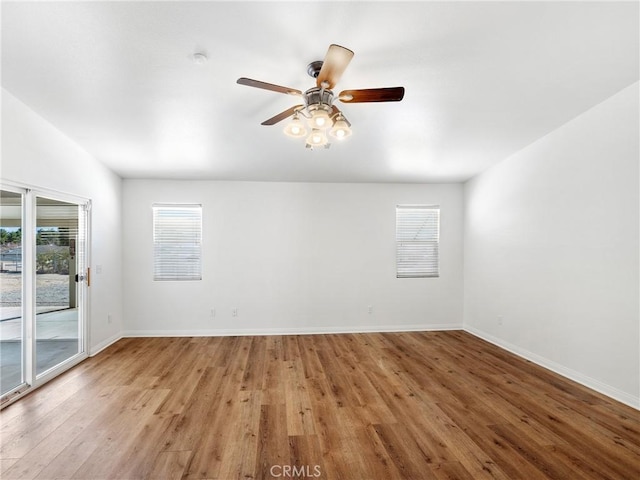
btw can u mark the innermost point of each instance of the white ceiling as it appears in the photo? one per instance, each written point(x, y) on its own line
point(483, 80)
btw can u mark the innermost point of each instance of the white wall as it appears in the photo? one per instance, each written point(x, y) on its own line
point(34, 152)
point(291, 257)
point(552, 246)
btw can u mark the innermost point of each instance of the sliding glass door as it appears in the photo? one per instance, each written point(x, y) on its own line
point(44, 280)
point(59, 258)
point(11, 288)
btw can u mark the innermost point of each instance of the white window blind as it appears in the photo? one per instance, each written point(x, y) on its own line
point(177, 242)
point(417, 238)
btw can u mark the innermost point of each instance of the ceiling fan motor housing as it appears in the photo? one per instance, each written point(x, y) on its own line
point(318, 96)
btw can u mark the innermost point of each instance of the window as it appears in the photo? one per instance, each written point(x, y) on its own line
point(417, 238)
point(177, 242)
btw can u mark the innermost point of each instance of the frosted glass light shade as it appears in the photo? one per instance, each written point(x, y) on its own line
point(317, 138)
point(320, 119)
point(340, 129)
point(295, 128)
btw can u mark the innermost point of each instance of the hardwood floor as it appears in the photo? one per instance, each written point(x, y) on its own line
point(434, 405)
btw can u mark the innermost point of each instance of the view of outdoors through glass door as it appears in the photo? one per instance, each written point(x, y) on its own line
point(58, 332)
point(11, 327)
point(42, 286)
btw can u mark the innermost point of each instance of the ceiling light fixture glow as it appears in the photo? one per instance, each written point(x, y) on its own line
point(320, 118)
point(296, 127)
point(317, 138)
point(340, 128)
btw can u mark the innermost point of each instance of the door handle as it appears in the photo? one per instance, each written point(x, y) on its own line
point(83, 278)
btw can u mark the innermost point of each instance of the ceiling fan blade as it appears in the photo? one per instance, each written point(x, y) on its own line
point(268, 86)
point(281, 116)
point(392, 94)
point(335, 62)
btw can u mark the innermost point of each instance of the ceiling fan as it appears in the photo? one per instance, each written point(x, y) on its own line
point(317, 106)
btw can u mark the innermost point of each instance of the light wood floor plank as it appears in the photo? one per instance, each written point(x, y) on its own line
point(170, 465)
point(419, 405)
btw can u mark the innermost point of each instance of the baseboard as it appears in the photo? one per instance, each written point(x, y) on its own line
point(288, 331)
point(571, 374)
point(96, 349)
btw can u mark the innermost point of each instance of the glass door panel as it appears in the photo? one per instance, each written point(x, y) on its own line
point(11, 322)
point(43, 287)
point(58, 295)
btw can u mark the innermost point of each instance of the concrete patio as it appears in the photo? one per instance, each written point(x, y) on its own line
point(56, 340)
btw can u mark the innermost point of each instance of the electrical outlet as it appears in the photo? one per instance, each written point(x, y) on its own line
point(499, 319)
point(370, 309)
point(213, 312)
point(234, 312)
point(109, 318)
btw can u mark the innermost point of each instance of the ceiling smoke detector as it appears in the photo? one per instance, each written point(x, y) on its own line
point(199, 58)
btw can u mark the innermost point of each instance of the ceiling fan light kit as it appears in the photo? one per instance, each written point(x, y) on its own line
point(321, 114)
